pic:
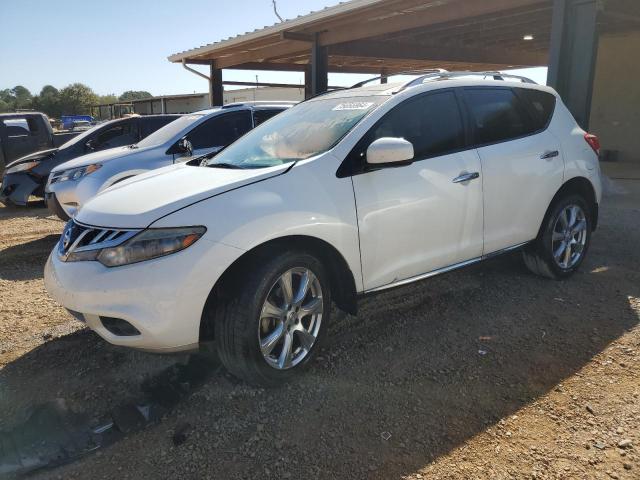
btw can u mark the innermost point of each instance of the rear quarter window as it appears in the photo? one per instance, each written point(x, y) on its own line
point(498, 115)
point(542, 105)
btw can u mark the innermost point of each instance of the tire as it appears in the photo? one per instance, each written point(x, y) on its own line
point(541, 257)
point(244, 321)
point(54, 207)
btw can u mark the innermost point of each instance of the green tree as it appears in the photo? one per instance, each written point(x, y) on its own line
point(48, 101)
point(22, 96)
point(134, 95)
point(4, 106)
point(105, 99)
point(76, 99)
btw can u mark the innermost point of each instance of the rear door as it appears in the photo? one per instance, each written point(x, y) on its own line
point(522, 164)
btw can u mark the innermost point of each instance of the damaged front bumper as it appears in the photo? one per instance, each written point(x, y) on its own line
point(16, 188)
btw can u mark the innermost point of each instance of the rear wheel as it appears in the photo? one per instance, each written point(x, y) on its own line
point(273, 322)
point(563, 243)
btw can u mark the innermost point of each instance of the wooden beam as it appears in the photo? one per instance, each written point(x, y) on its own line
point(450, 53)
point(297, 36)
point(452, 11)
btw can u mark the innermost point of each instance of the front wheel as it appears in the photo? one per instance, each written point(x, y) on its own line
point(563, 243)
point(272, 324)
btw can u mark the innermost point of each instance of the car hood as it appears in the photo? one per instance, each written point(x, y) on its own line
point(98, 157)
point(33, 156)
point(141, 200)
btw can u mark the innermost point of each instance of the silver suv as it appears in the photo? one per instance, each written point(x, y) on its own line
point(71, 184)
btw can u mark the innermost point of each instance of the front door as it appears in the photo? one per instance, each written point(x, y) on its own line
point(425, 216)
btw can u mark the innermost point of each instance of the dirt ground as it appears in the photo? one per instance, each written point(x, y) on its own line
point(487, 372)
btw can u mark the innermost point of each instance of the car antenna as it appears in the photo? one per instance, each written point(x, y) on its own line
point(275, 10)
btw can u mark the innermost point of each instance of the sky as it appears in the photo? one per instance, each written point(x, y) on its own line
point(117, 45)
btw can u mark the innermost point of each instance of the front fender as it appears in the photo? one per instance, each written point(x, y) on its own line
point(308, 200)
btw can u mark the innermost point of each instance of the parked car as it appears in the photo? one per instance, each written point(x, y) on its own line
point(80, 126)
point(349, 193)
point(70, 121)
point(28, 175)
point(27, 132)
point(71, 184)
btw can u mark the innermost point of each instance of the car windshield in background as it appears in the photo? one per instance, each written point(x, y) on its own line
point(303, 131)
point(169, 131)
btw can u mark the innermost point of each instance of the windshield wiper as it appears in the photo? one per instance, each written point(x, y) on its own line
point(133, 146)
point(225, 165)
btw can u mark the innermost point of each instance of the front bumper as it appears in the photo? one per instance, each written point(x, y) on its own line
point(16, 188)
point(162, 298)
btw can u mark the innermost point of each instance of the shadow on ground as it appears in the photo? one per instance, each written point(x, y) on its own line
point(25, 261)
point(419, 371)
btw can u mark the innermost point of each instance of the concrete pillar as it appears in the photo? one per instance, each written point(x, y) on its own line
point(319, 68)
point(307, 81)
point(216, 89)
point(572, 55)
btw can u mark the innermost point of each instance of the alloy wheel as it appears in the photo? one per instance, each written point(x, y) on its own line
point(290, 318)
point(569, 236)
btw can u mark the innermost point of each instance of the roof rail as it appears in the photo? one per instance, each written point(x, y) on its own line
point(450, 75)
point(410, 72)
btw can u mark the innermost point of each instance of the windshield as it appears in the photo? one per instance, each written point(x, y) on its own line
point(170, 130)
point(303, 131)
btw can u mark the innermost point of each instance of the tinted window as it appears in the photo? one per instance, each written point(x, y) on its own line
point(497, 115)
point(113, 132)
point(542, 105)
point(16, 127)
point(260, 116)
point(432, 123)
point(220, 130)
point(151, 124)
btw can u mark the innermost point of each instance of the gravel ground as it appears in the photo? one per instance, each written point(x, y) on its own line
point(487, 372)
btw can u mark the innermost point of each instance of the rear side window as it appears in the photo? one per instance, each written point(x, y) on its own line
point(432, 123)
point(16, 127)
point(260, 116)
point(220, 130)
point(542, 105)
point(497, 115)
point(151, 124)
point(113, 132)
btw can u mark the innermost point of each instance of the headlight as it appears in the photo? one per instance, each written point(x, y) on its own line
point(73, 173)
point(22, 167)
point(146, 245)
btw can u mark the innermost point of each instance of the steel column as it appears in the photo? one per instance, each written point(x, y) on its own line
point(216, 89)
point(573, 53)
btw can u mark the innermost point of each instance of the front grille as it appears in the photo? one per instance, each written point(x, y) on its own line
point(77, 238)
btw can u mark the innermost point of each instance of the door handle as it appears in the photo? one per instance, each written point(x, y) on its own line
point(465, 177)
point(549, 154)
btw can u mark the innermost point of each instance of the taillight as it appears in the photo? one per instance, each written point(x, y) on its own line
point(593, 142)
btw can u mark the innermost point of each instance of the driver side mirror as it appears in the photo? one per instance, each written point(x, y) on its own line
point(390, 150)
point(184, 147)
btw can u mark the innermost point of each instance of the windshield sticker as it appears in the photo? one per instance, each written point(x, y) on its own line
point(353, 106)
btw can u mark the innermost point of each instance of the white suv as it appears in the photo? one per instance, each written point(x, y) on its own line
point(351, 192)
